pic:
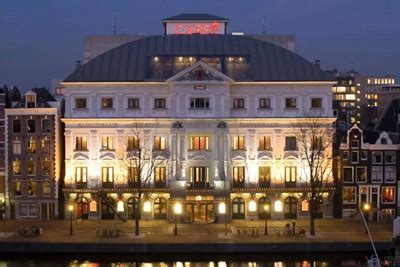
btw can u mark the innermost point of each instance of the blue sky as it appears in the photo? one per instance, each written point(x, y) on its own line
point(41, 40)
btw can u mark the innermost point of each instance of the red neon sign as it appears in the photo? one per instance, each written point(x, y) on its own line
point(203, 28)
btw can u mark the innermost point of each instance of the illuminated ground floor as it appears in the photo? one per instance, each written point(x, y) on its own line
point(194, 207)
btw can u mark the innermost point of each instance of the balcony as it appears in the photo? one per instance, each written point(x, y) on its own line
point(160, 184)
point(81, 185)
point(107, 185)
point(134, 184)
point(266, 184)
point(199, 185)
point(238, 184)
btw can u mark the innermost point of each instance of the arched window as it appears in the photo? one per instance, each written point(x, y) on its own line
point(238, 208)
point(264, 208)
point(81, 208)
point(132, 211)
point(160, 209)
point(290, 210)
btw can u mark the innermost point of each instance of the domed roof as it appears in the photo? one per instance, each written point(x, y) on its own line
point(130, 62)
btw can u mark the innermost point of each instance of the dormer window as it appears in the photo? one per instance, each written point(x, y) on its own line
point(30, 101)
point(383, 141)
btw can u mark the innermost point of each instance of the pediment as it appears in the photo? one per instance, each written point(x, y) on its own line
point(81, 156)
point(200, 72)
point(107, 156)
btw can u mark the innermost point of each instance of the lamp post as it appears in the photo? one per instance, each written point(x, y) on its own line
point(266, 209)
point(177, 211)
point(70, 209)
point(366, 209)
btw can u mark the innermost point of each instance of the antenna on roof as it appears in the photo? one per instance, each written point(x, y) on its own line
point(264, 30)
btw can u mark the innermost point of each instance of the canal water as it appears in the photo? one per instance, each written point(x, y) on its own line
point(219, 260)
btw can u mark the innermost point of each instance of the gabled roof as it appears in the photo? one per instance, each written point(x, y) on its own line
point(195, 16)
point(130, 62)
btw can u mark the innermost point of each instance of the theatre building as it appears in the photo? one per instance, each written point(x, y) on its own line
point(216, 109)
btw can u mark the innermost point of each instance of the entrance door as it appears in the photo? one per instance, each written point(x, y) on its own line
point(107, 212)
point(209, 212)
point(370, 195)
point(132, 211)
point(199, 212)
point(189, 212)
point(290, 211)
point(82, 208)
point(44, 212)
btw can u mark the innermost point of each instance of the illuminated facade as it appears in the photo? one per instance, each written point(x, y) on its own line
point(222, 115)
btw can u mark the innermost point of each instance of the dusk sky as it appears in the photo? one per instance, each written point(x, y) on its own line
point(41, 40)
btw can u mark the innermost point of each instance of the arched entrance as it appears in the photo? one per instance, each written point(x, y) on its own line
point(290, 210)
point(132, 205)
point(160, 209)
point(81, 208)
point(264, 208)
point(107, 212)
point(238, 208)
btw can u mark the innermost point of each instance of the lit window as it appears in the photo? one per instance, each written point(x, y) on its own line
point(290, 174)
point(32, 188)
point(17, 189)
point(133, 143)
point(46, 188)
point(290, 102)
point(238, 174)
point(107, 103)
point(133, 103)
point(107, 143)
point(199, 174)
point(80, 143)
point(133, 174)
point(16, 167)
point(238, 143)
point(349, 195)
point(30, 101)
point(107, 174)
point(45, 146)
point(160, 174)
point(31, 148)
point(388, 194)
point(199, 103)
point(199, 142)
point(238, 103)
point(31, 167)
point(264, 143)
point(80, 103)
point(160, 143)
point(81, 174)
point(46, 167)
point(265, 103)
point(264, 174)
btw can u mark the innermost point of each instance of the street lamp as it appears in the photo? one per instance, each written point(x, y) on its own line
point(70, 209)
point(366, 209)
point(266, 209)
point(177, 211)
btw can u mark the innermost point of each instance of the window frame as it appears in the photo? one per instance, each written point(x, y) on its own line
point(159, 100)
point(105, 103)
point(239, 142)
point(83, 99)
point(373, 158)
point(355, 195)
point(288, 104)
point(394, 195)
point(133, 100)
point(394, 176)
point(13, 126)
point(266, 100)
point(320, 106)
point(352, 174)
point(42, 125)
point(366, 174)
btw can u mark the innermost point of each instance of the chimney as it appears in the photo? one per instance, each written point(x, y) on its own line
point(317, 63)
point(78, 64)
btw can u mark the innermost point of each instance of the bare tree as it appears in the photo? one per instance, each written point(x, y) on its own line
point(145, 168)
point(314, 138)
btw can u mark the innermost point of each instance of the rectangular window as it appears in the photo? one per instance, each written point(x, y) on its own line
point(46, 126)
point(45, 146)
point(290, 143)
point(46, 187)
point(133, 143)
point(16, 167)
point(107, 143)
point(238, 143)
point(31, 126)
point(377, 157)
point(17, 189)
point(107, 103)
point(81, 174)
point(238, 103)
point(264, 143)
point(133, 103)
point(390, 174)
point(348, 175)
point(290, 174)
point(199, 174)
point(390, 157)
point(264, 103)
point(264, 174)
point(199, 142)
point(317, 144)
point(316, 102)
point(16, 126)
point(159, 103)
point(345, 155)
point(33, 209)
point(31, 147)
point(107, 174)
point(23, 209)
point(46, 167)
point(290, 102)
point(354, 143)
point(31, 167)
point(376, 174)
point(80, 103)
point(32, 189)
point(361, 173)
point(199, 103)
point(160, 143)
point(80, 143)
point(133, 174)
point(160, 174)
point(388, 194)
point(16, 147)
point(349, 195)
point(354, 156)
point(364, 155)
point(238, 174)
point(30, 101)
